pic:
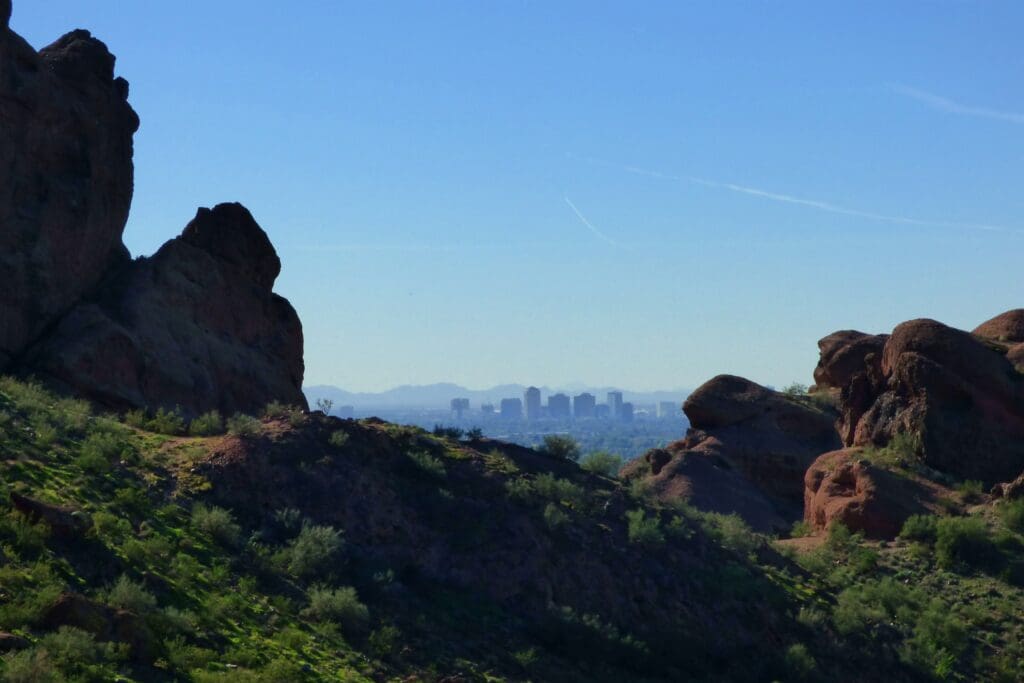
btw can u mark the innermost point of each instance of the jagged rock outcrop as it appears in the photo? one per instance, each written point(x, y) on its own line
point(1011, 490)
point(958, 392)
point(843, 487)
point(66, 178)
point(197, 325)
point(746, 451)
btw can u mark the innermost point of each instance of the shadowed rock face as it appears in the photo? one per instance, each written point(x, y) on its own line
point(746, 452)
point(842, 487)
point(959, 392)
point(195, 326)
point(66, 178)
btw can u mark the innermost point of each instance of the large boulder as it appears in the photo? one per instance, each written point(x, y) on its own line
point(843, 487)
point(66, 178)
point(958, 393)
point(197, 325)
point(746, 452)
point(1007, 327)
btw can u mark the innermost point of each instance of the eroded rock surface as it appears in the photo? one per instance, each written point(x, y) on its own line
point(197, 325)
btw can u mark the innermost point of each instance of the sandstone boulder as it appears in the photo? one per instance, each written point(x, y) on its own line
point(66, 178)
point(197, 325)
point(843, 487)
point(959, 394)
point(1007, 327)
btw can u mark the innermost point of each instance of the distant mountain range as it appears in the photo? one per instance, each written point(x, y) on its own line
point(439, 395)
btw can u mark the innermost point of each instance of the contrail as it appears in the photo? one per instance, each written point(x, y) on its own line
point(810, 203)
point(583, 219)
point(953, 107)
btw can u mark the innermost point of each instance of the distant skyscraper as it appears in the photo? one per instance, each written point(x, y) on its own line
point(583, 406)
point(487, 409)
point(459, 406)
point(558, 407)
point(531, 398)
point(668, 410)
point(615, 403)
point(626, 412)
point(511, 409)
point(602, 411)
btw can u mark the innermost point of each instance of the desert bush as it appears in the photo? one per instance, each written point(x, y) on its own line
point(963, 542)
point(338, 438)
point(800, 662)
point(217, 523)
point(136, 418)
point(129, 595)
point(859, 608)
point(100, 450)
point(312, 550)
point(800, 529)
point(555, 517)
point(324, 405)
point(643, 530)
point(474, 434)
point(561, 446)
point(340, 605)
point(168, 422)
point(278, 410)
point(549, 487)
point(971, 490)
point(428, 464)
point(1012, 515)
point(602, 462)
point(207, 424)
point(795, 390)
point(939, 638)
point(29, 666)
point(288, 520)
point(920, 528)
point(243, 425)
point(732, 532)
point(446, 432)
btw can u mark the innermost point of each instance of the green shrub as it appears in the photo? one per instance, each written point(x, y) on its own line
point(963, 542)
point(168, 422)
point(555, 517)
point(1012, 515)
point(207, 424)
point(860, 607)
point(549, 487)
point(338, 438)
point(100, 450)
point(795, 390)
point(428, 464)
point(278, 410)
point(644, 530)
point(602, 462)
point(313, 550)
point(940, 637)
point(445, 432)
point(732, 532)
point(340, 605)
point(561, 446)
point(136, 418)
point(131, 596)
point(800, 662)
point(243, 425)
point(801, 529)
point(217, 523)
point(29, 666)
point(971, 490)
point(920, 528)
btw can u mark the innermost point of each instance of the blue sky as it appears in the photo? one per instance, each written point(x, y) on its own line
point(639, 194)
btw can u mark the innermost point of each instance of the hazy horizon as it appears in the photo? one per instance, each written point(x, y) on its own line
point(649, 195)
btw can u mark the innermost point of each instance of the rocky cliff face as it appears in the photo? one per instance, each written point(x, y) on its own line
point(197, 325)
point(66, 178)
point(746, 452)
point(958, 392)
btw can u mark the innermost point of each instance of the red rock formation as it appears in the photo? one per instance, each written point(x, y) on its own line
point(843, 487)
point(196, 325)
point(960, 394)
point(66, 178)
point(1007, 327)
point(746, 452)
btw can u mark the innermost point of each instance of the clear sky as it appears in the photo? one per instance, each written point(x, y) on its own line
point(635, 193)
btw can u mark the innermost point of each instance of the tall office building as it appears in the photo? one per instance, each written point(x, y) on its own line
point(558, 407)
point(626, 412)
point(459, 406)
point(531, 398)
point(615, 404)
point(584, 406)
point(668, 410)
point(511, 409)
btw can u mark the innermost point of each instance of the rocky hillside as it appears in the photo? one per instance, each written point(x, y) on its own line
point(196, 326)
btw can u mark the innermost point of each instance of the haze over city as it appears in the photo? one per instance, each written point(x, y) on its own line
point(638, 196)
